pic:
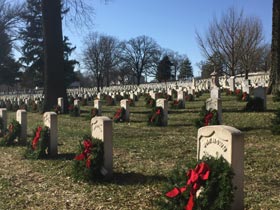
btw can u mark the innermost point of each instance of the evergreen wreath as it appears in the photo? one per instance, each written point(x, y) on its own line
point(150, 102)
point(189, 97)
point(38, 146)
point(207, 117)
point(254, 105)
point(90, 160)
point(155, 118)
point(57, 109)
point(73, 110)
point(119, 115)
point(93, 112)
point(131, 102)
point(245, 96)
point(12, 136)
point(211, 176)
point(177, 104)
point(238, 94)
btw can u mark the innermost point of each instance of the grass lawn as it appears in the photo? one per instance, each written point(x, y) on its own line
point(143, 158)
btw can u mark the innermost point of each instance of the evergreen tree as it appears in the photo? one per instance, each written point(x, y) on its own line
point(164, 69)
point(33, 48)
point(186, 70)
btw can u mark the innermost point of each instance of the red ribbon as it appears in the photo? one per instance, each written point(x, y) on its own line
point(11, 127)
point(208, 118)
point(196, 177)
point(86, 153)
point(36, 138)
point(118, 114)
point(154, 115)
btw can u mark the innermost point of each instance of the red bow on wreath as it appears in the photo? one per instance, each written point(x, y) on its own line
point(36, 138)
point(86, 153)
point(208, 118)
point(196, 177)
point(154, 115)
point(118, 114)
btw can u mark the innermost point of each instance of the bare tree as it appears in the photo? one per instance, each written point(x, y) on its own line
point(10, 18)
point(252, 48)
point(140, 54)
point(230, 39)
point(101, 56)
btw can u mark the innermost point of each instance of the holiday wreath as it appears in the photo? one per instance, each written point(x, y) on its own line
point(74, 110)
point(38, 147)
point(206, 185)
point(177, 104)
point(12, 135)
point(207, 117)
point(119, 115)
point(90, 160)
point(156, 117)
point(93, 112)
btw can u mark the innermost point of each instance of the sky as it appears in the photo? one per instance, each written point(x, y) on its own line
point(171, 23)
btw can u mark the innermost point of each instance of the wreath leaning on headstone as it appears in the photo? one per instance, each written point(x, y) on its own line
point(206, 185)
point(37, 148)
point(207, 117)
point(12, 135)
point(119, 116)
point(88, 164)
point(155, 118)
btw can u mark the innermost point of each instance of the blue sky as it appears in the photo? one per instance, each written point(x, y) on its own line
point(171, 23)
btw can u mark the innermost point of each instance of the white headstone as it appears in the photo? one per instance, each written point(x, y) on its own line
point(50, 120)
point(226, 141)
point(125, 104)
point(215, 104)
point(3, 115)
point(60, 103)
point(246, 86)
point(232, 83)
point(163, 103)
point(21, 117)
point(98, 106)
point(181, 96)
point(102, 128)
point(215, 92)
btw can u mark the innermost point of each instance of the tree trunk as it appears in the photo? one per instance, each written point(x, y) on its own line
point(274, 84)
point(54, 85)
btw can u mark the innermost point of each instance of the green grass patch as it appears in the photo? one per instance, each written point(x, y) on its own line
point(143, 158)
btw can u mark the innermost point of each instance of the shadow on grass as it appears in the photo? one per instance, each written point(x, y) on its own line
point(63, 156)
point(244, 129)
point(133, 178)
point(243, 111)
point(179, 111)
point(142, 112)
point(181, 125)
